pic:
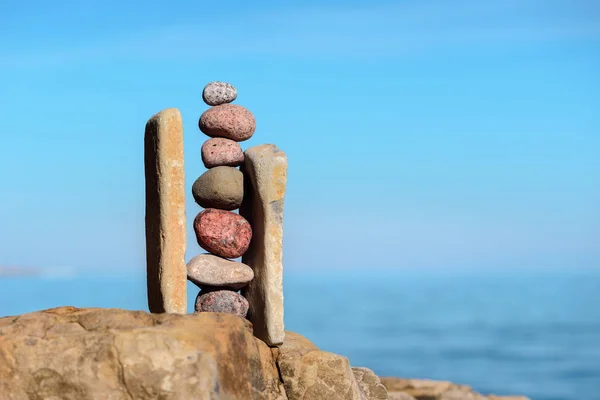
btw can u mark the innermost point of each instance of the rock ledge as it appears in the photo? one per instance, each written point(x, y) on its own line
point(112, 354)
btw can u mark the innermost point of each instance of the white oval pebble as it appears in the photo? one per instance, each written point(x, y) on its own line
point(216, 93)
point(208, 270)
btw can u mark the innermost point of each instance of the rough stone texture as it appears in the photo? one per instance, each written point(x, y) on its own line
point(424, 389)
point(165, 213)
point(221, 301)
point(220, 151)
point(296, 342)
point(96, 354)
point(311, 374)
point(216, 93)
point(111, 354)
point(219, 187)
point(228, 121)
point(493, 397)
point(208, 270)
point(222, 233)
point(399, 396)
point(370, 384)
point(265, 171)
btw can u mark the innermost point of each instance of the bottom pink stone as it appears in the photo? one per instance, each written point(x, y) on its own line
point(225, 301)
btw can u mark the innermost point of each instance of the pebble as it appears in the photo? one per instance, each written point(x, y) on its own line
point(223, 233)
point(224, 301)
point(216, 93)
point(228, 121)
point(209, 270)
point(218, 152)
point(219, 187)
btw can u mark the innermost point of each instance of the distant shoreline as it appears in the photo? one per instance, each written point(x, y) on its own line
point(15, 272)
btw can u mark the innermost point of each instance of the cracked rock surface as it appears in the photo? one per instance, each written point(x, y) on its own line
point(68, 353)
point(311, 374)
point(80, 354)
point(425, 389)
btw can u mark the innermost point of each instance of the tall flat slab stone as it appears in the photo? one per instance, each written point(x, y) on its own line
point(165, 213)
point(265, 167)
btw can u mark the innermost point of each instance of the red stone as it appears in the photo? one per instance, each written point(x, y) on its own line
point(222, 233)
point(228, 121)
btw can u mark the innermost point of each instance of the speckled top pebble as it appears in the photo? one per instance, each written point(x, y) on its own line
point(216, 93)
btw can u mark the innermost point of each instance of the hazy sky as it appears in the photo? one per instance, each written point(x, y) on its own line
point(420, 134)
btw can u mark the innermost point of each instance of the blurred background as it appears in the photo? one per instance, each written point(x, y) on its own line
point(443, 205)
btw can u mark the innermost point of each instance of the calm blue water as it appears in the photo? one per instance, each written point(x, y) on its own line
point(529, 333)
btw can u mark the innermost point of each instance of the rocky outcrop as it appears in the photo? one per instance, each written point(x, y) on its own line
point(112, 354)
point(370, 384)
point(424, 389)
point(310, 374)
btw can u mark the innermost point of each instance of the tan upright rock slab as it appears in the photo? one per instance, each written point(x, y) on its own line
point(165, 213)
point(265, 167)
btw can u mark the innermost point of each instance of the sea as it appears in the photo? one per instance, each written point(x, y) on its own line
point(528, 332)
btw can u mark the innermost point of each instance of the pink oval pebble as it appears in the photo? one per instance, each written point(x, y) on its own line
point(218, 152)
point(228, 121)
point(225, 301)
point(222, 233)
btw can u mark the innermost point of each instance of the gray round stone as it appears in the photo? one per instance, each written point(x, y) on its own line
point(216, 93)
point(208, 270)
point(219, 187)
point(225, 301)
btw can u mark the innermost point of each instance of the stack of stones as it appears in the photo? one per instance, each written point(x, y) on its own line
point(223, 233)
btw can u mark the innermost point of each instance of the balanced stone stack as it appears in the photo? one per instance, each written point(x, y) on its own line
point(223, 233)
point(255, 234)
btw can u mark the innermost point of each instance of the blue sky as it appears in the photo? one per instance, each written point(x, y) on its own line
point(420, 134)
